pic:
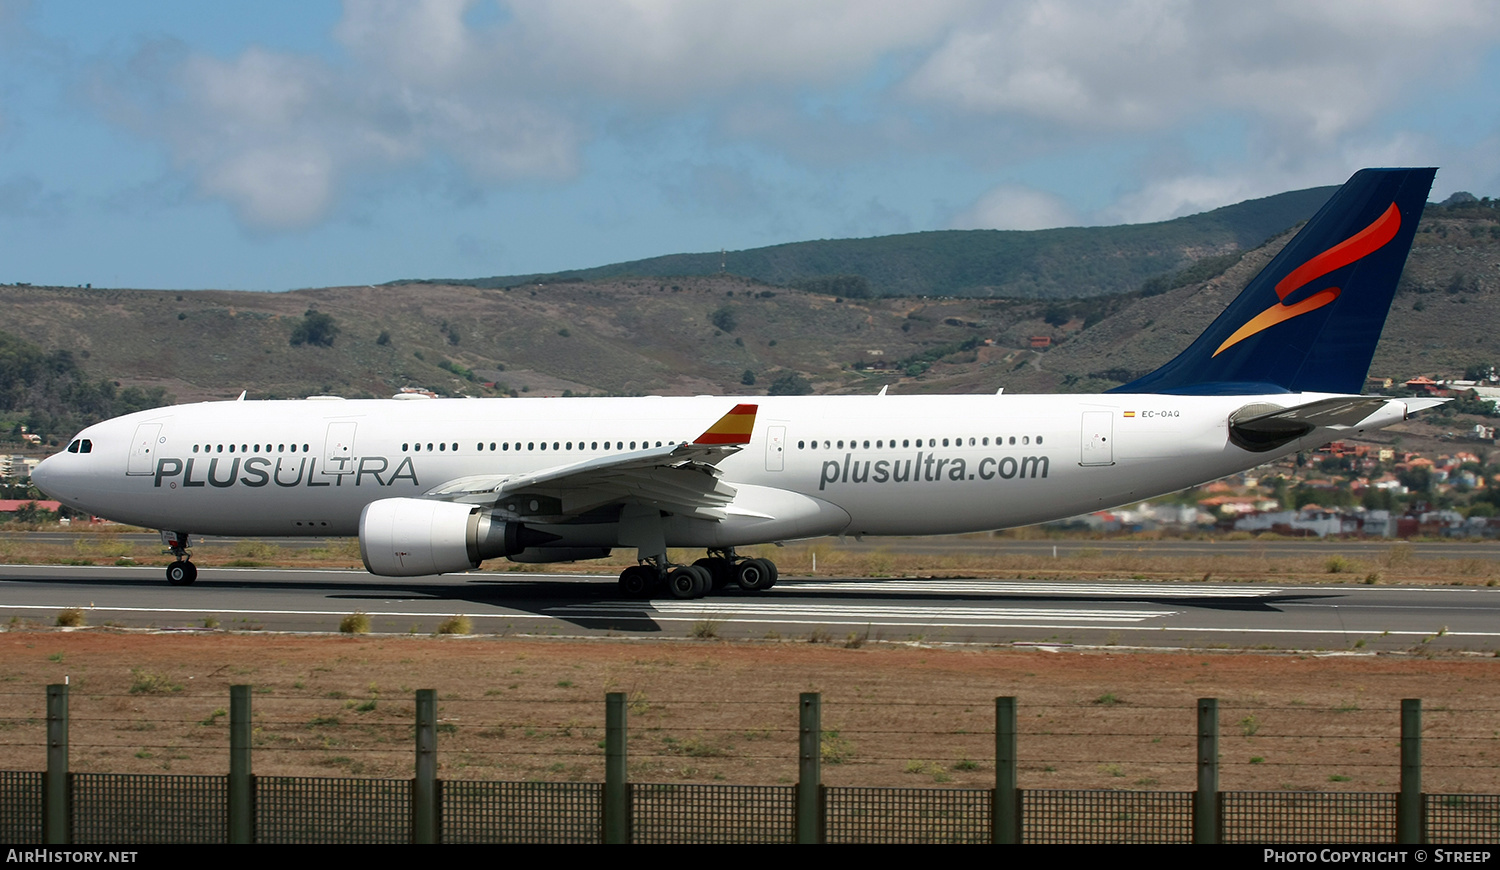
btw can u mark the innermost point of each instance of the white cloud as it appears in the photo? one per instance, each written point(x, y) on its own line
point(1313, 70)
point(663, 51)
point(1016, 207)
point(516, 95)
point(277, 135)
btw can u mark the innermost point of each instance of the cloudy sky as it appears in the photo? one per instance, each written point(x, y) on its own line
point(274, 145)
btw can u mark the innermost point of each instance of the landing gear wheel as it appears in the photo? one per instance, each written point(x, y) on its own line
point(719, 570)
point(705, 580)
point(686, 582)
point(636, 581)
point(755, 575)
point(182, 573)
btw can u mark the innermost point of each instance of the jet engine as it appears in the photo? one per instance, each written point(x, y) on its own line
point(412, 537)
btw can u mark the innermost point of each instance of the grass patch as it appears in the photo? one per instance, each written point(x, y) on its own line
point(357, 622)
point(835, 749)
point(456, 624)
point(147, 683)
point(71, 618)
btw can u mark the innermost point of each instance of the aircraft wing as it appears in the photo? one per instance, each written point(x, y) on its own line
point(682, 479)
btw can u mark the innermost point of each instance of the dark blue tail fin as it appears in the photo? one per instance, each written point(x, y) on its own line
point(1310, 320)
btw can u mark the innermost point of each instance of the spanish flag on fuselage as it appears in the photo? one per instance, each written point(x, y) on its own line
point(732, 428)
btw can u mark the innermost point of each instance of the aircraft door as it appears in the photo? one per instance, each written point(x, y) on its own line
point(1098, 438)
point(143, 449)
point(775, 448)
point(338, 449)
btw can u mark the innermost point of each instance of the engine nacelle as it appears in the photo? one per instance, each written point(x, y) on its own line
point(413, 537)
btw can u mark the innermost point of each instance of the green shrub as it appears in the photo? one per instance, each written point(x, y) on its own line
point(355, 623)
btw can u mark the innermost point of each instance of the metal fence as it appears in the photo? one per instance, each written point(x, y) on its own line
point(164, 808)
point(60, 807)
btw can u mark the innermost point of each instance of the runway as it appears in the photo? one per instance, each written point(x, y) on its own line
point(1123, 613)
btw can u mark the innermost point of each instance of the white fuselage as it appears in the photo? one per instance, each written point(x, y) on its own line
point(866, 465)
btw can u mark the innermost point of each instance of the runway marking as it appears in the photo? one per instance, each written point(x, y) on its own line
point(1005, 588)
point(774, 610)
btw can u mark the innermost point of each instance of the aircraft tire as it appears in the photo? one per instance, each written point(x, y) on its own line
point(636, 581)
point(754, 575)
point(684, 583)
point(720, 571)
point(182, 573)
point(705, 580)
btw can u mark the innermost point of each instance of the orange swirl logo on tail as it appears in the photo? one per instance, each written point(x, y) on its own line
point(1362, 243)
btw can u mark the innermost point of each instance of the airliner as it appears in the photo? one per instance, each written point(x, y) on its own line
point(433, 486)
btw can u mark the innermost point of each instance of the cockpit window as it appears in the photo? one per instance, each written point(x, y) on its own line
point(73, 448)
point(85, 446)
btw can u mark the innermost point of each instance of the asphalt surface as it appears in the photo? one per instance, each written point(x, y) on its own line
point(1354, 618)
point(954, 544)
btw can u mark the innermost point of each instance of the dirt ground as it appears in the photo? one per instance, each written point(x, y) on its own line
point(704, 711)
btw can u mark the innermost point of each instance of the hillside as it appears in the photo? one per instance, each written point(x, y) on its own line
point(704, 334)
point(1041, 264)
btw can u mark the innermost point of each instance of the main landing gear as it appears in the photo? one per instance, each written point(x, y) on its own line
point(181, 572)
point(656, 577)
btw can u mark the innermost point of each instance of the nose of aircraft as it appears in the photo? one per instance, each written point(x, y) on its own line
point(44, 476)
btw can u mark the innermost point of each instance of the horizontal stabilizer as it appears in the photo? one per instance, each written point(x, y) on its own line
point(1261, 427)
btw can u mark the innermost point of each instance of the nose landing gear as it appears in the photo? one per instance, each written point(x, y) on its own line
point(181, 572)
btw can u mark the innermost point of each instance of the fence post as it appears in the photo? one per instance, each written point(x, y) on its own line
point(809, 768)
point(1005, 808)
point(1409, 821)
point(424, 787)
point(55, 803)
point(241, 829)
point(1206, 798)
point(616, 789)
